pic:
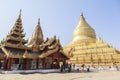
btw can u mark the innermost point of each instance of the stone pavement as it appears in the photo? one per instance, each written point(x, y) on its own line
point(101, 75)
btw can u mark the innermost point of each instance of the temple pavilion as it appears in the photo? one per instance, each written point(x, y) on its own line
point(86, 49)
point(16, 53)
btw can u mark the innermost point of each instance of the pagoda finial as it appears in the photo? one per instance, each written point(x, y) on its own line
point(39, 21)
point(81, 14)
point(20, 13)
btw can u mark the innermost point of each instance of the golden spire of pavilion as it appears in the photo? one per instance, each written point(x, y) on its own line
point(37, 36)
point(16, 35)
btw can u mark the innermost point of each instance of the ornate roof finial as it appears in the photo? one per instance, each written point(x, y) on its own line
point(20, 13)
point(39, 21)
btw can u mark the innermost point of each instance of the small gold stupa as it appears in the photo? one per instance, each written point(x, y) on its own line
point(86, 49)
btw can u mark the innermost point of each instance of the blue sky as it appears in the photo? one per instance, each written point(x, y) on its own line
point(60, 17)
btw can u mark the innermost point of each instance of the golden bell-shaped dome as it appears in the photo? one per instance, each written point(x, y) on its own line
point(83, 32)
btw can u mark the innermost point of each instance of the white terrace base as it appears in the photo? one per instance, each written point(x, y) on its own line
point(30, 71)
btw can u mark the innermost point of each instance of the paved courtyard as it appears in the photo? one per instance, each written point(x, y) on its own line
point(101, 75)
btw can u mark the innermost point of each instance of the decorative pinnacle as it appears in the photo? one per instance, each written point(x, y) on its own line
point(39, 21)
point(81, 14)
point(20, 13)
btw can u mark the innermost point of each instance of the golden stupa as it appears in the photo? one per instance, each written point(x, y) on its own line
point(86, 49)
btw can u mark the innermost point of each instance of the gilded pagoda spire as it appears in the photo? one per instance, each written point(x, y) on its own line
point(83, 32)
point(37, 36)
